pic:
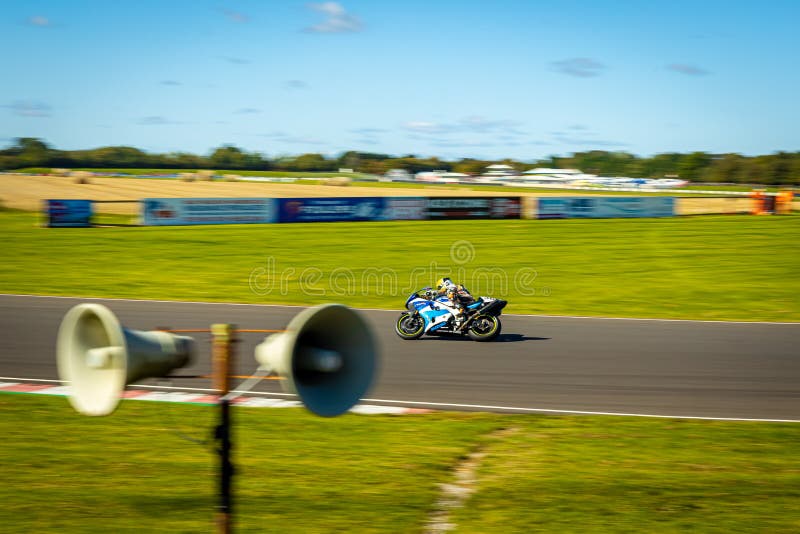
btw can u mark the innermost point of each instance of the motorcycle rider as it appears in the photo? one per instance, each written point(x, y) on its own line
point(457, 295)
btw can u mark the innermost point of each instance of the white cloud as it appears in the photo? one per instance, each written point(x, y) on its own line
point(588, 141)
point(689, 70)
point(295, 84)
point(367, 141)
point(337, 20)
point(235, 16)
point(235, 60)
point(445, 143)
point(426, 127)
point(580, 135)
point(29, 108)
point(283, 137)
point(369, 131)
point(580, 67)
point(38, 20)
point(480, 124)
point(473, 124)
point(155, 120)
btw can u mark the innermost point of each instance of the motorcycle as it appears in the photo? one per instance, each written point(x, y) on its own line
point(430, 313)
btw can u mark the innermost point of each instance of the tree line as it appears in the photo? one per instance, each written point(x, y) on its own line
point(780, 168)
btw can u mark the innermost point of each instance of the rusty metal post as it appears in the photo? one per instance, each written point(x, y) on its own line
point(222, 357)
point(222, 369)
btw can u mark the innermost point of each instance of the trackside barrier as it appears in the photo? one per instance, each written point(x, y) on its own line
point(183, 211)
point(333, 209)
point(405, 209)
point(474, 208)
point(74, 213)
point(186, 211)
point(397, 208)
point(530, 208)
point(605, 207)
point(711, 206)
point(68, 213)
point(779, 203)
point(193, 211)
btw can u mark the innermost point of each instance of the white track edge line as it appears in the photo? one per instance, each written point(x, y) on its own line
point(471, 406)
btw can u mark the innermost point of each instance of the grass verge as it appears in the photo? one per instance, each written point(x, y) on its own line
point(297, 473)
point(602, 474)
point(720, 267)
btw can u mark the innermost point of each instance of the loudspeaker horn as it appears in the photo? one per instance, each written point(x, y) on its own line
point(327, 356)
point(97, 357)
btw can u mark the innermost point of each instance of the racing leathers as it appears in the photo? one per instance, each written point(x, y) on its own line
point(457, 295)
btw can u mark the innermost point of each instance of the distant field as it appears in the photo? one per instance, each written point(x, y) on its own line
point(140, 172)
point(319, 175)
point(716, 267)
point(296, 473)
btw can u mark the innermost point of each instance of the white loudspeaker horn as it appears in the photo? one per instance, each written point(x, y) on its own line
point(327, 355)
point(97, 357)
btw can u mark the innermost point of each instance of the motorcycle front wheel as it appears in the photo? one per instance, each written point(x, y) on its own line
point(484, 328)
point(409, 326)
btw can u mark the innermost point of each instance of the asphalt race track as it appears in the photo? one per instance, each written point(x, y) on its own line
point(669, 368)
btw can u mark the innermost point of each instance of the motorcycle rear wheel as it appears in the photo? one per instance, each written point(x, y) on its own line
point(484, 328)
point(409, 326)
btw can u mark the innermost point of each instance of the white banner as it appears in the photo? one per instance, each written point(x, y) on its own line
point(183, 211)
point(405, 209)
point(605, 207)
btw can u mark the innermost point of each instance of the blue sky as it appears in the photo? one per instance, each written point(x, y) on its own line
point(520, 79)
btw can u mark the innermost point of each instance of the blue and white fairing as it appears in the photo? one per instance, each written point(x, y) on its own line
point(437, 312)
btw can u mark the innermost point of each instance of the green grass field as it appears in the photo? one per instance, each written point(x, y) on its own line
point(720, 267)
point(133, 472)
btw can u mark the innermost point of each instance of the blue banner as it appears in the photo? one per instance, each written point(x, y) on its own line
point(605, 207)
point(331, 209)
point(69, 213)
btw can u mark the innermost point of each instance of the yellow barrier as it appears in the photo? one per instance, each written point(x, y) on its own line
point(708, 206)
point(783, 202)
point(530, 207)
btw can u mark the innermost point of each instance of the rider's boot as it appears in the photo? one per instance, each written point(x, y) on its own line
point(460, 317)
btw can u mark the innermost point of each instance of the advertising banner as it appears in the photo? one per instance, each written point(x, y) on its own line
point(474, 207)
point(185, 211)
point(605, 207)
point(331, 209)
point(69, 213)
point(405, 209)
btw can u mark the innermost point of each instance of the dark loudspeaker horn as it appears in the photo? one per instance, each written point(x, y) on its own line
point(97, 357)
point(327, 356)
